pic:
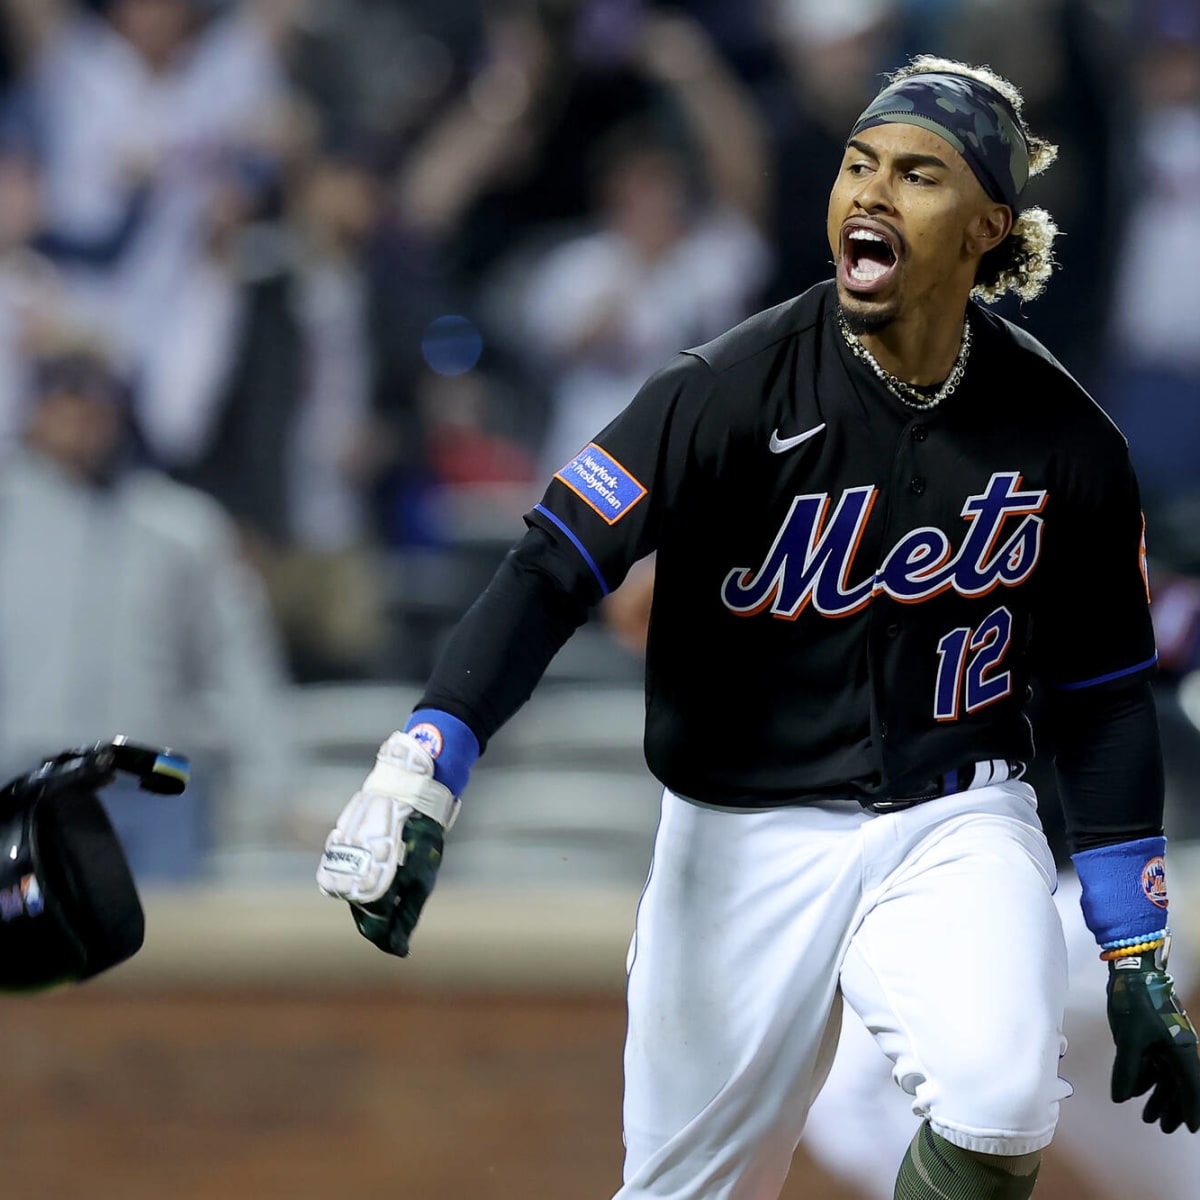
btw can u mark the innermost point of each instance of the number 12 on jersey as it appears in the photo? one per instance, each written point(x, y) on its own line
point(967, 660)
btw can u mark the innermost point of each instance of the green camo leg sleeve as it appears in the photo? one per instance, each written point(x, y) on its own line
point(934, 1169)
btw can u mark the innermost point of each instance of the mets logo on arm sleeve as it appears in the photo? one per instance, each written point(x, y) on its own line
point(601, 483)
point(1154, 881)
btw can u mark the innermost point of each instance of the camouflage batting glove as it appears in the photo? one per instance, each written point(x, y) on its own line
point(389, 921)
point(382, 856)
point(1156, 1043)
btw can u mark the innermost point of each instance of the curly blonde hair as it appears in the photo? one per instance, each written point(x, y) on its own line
point(1022, 263)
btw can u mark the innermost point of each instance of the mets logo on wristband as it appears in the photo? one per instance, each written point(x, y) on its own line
point(1154, 881)
point(430, 736)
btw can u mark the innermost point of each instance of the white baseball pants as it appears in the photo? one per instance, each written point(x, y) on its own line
point(935, 924)
point(1107, 1143)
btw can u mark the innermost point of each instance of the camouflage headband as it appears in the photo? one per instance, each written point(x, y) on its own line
point(973, 117)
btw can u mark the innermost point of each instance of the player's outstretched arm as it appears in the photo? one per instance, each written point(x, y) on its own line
point(383, 858)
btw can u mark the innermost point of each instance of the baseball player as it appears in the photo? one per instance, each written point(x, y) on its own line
point(879, 512)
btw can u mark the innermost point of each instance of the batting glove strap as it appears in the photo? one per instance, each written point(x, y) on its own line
point(420, 792)
point(1124, 891)
point(1156, 1043)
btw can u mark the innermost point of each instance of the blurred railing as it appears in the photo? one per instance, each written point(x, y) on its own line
point(542, 870)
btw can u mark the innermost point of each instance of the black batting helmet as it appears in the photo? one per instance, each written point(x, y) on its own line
point(68, 905)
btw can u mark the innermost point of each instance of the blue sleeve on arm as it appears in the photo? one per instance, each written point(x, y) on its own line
point(450, 742)
point(1124, 890)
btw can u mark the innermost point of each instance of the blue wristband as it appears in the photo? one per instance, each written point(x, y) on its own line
point(451, 744)
point(1124, 890)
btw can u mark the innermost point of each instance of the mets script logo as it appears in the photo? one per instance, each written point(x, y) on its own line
point(812, 557)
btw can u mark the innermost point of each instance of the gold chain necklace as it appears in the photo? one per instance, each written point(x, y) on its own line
point(906, 393)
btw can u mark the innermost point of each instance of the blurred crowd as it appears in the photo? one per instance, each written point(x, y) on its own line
point(301, 301)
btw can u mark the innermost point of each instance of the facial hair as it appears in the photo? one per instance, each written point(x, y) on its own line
point(860, 321)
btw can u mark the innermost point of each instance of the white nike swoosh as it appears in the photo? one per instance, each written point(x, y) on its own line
point(779, 445)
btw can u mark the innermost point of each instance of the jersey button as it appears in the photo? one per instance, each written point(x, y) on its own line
point(916, 485)
point(919, 433)
point(893, 630)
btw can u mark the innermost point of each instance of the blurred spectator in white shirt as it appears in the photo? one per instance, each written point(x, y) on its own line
point(35, 302)
point(125, 607)
point(146, 87)
point(672, 260)
point(260, 393)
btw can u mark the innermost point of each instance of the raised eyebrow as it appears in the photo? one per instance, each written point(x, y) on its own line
point(911, 159)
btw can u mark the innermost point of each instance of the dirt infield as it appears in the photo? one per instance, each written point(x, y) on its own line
point(270, 1094)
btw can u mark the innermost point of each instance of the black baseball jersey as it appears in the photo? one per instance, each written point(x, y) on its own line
point(853, 596)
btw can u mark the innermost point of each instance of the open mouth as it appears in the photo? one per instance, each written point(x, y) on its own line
point(869, 256)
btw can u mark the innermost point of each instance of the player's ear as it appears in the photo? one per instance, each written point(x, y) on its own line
point(987, 229)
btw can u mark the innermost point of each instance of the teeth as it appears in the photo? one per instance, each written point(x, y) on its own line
point(865, 235)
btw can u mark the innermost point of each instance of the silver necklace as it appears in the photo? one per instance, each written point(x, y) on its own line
point(906, 393)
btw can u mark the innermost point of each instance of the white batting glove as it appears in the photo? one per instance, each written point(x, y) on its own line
point(366, 847)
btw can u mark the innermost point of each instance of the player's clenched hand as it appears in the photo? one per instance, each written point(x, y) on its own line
point(383, 855)
point(1156, 1043)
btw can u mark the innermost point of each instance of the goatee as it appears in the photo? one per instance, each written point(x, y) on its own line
point(860, 321)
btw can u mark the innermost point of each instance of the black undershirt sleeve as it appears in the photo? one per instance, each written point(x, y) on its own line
point(1109, 762)
point(505, 641)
